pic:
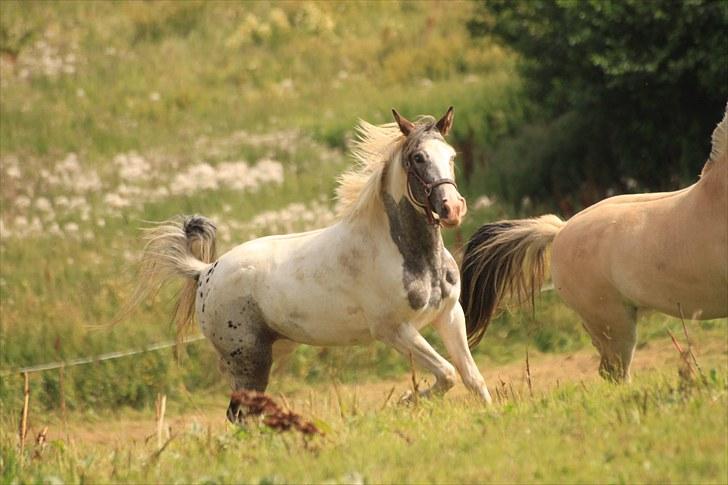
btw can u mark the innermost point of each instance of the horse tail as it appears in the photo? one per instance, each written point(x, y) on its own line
point(503, 259)
point(184, 246)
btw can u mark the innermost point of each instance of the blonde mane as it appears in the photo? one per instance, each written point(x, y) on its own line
point(359, 189)
point(720, 139)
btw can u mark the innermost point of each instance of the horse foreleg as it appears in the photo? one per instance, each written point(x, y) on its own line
point(408, 342)
point(451, 328)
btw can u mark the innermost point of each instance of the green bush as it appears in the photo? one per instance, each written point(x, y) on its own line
point(623, 94)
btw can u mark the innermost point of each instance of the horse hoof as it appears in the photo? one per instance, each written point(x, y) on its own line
point(407, 398)
point(235, 414)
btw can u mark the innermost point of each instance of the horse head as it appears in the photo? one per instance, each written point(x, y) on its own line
point(427, 166)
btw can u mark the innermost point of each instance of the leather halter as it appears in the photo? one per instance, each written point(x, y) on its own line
point(428, 188)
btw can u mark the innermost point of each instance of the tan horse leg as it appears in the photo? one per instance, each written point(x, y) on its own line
point(613, 331)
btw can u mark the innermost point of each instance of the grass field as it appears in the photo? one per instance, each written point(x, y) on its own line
point(573, 427)
point(113, 114)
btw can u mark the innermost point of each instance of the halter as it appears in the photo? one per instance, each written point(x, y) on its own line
point(428, 187)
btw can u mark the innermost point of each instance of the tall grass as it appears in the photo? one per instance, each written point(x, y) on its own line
point(658, 430)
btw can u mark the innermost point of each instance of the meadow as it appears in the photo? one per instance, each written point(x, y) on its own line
point(113, 114)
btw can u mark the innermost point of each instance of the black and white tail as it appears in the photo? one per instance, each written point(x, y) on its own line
point(505, 259)
point(181, 247)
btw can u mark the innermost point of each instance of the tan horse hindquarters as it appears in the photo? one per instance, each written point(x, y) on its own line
point(661, 253)
point(664, 251)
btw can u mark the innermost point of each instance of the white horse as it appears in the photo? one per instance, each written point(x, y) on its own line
point(380, 273)
point(664, 251)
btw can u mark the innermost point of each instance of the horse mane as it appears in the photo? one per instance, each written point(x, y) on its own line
point(719, 142)
point(360, 188)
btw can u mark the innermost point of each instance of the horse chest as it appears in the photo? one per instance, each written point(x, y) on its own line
point(428, 282)
point(429, 273)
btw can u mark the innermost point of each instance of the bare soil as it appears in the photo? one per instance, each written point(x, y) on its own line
point(548, 371)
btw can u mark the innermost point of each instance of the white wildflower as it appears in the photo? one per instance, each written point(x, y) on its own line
point(54, 230)
point(35, 227)
point(132, 166)
point(115, 201)
point(13, 171)
point(69, 175)
point(22, 202)
point(43, 204)
point(20, 222)
point(200, 176)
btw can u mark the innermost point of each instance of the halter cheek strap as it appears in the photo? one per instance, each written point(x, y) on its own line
point(428, 188)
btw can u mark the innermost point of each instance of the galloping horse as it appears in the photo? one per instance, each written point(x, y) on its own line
point(380, 273)
point(664, 251)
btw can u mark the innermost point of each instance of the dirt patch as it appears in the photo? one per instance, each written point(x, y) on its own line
point(330, 401)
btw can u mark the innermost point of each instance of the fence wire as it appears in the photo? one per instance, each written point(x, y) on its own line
point(97, 358)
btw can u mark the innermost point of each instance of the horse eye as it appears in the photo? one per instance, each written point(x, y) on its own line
point(418, 158)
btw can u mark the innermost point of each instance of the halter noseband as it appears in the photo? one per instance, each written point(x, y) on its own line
point(428, 188)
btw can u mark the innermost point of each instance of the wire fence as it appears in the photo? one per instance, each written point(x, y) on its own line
point(98, 358)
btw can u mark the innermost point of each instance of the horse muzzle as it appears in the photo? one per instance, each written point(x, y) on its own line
point(449, 205)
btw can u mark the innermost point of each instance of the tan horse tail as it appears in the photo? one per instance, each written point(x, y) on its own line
point(184, 247)
point(505, 259)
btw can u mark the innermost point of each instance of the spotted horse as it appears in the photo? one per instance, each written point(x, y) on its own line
point(379, 273)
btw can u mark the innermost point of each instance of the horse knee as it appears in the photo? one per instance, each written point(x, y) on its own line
point(447, 379)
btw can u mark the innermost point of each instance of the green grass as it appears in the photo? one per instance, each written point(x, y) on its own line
point(657, 430)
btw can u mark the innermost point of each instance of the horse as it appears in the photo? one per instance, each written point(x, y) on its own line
point(380, 273)
point(612, 261)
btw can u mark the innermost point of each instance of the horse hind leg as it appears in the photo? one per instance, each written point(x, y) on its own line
point(249, 366)
point(245, 345)
point(614, 333)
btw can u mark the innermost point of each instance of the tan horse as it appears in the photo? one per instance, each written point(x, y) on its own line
point(663, 251)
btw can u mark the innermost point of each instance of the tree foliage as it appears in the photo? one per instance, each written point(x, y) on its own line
point(622, 91)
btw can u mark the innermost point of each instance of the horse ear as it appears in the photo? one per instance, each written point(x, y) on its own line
point(405, 125)
point(445, 123)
